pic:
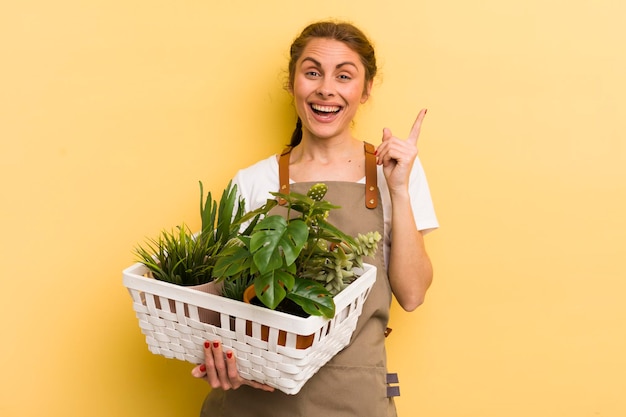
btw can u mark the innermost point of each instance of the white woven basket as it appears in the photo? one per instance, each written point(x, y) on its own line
point(264, 340)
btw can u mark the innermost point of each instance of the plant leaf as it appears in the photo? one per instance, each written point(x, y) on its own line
point(225, 213)
point(270, 287)
point(231, 261)
point(313, 298)
point(276, 242)
point(208, 210)
point(327, 227)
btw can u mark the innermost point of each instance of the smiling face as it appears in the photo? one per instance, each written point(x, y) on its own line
point(328, 86)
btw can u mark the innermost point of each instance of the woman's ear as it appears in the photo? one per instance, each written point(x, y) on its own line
point(367, 91)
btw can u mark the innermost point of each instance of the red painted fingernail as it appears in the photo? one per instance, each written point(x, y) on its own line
point(207, 344)
point(425, 111)
point(229, 355)
point(203, 368)
point(216, 344)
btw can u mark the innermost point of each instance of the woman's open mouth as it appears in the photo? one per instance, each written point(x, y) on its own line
point(325, 111)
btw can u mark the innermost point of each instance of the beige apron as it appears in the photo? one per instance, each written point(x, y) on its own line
point(354, 382)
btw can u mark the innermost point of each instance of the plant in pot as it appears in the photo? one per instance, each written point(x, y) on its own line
point(299, 259)
point(183, 258)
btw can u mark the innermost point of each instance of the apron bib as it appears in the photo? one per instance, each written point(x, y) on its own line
point(354, 382)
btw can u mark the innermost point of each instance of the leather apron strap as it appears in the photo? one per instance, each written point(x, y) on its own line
point(371, 175)
point(283, 174)
point(371, 180)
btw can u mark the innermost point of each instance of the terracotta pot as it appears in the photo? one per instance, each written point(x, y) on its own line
point(302, 341)
point(207, 316)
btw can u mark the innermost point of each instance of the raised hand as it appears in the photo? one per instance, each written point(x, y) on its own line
point(397, 155)
point(220, 369)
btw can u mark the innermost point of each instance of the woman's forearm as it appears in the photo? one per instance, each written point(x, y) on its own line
point(410, 270)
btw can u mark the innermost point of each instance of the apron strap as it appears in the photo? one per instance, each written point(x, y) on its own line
point(371, 180)
point(283, 174)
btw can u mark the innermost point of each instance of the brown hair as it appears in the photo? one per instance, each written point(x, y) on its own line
point(339, 31)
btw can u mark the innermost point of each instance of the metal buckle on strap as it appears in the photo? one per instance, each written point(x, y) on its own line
point(393, 390)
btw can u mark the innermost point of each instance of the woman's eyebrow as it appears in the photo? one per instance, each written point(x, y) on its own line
point(318, 64)
point(348, 63)
point(314, 61)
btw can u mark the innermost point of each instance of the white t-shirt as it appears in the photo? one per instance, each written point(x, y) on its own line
point(256, 182)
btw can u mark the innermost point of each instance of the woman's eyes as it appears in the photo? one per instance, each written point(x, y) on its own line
point(315, 74)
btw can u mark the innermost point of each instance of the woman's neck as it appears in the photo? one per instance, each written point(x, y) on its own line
point(327, 160)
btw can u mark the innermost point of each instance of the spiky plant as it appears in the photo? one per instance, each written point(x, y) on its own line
point(176, 256)
point(183, 258)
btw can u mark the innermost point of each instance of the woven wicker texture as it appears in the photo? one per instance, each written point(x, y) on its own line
point(264, 341)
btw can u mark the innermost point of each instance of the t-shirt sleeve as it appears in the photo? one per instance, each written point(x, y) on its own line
point(421, 200)
point(256, 182)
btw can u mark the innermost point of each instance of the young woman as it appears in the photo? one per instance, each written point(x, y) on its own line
point(331, 70)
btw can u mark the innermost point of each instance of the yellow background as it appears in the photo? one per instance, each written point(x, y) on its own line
point(111, 111)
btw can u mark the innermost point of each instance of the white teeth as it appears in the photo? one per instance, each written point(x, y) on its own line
point(325, 109)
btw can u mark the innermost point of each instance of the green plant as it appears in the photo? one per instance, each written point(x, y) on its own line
point(220, 223)
point(176, 256)
point(183, 258)
point(301, 257)
point(234, 289)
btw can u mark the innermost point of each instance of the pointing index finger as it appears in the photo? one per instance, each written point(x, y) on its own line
point(415, 130)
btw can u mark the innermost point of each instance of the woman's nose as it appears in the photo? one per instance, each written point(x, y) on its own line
point(325, 90)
